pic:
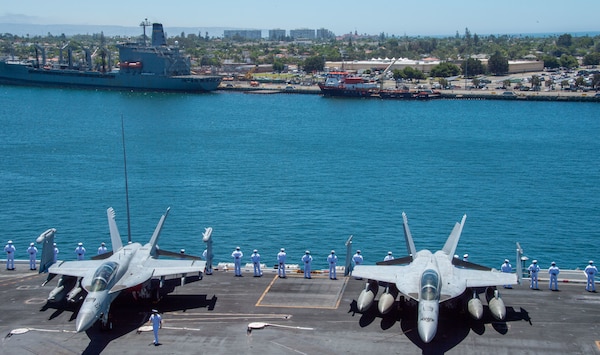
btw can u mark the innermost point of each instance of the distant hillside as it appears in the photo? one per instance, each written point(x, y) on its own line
point(124, 31)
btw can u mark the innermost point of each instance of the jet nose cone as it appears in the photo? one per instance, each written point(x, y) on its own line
point(84, 321)
point(427, 331)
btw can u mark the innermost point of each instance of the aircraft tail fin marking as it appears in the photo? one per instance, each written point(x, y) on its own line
point(115, 236)
point(47, 240)
point(410, 244)
point(450, 246)
point(156, 234)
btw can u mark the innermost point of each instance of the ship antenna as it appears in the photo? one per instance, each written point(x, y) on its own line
point(144, 24)
point(126, 184)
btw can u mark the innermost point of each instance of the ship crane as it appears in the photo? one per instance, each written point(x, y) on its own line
point(145, 24)
point(385, 71)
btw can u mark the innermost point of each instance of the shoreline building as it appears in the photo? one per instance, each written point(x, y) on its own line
point(243, 34)
point(276, 34)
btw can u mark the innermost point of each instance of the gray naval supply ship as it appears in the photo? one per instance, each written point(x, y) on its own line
point(154, 67)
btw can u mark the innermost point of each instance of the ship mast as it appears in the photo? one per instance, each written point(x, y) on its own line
point(145, 24)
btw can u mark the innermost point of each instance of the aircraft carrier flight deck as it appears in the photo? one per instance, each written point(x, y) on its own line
point(268, 315)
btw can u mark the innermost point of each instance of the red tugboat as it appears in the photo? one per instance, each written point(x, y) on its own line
point(344, 84)
point(341, 83)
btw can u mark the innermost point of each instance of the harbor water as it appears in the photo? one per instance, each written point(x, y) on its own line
point(302, 172)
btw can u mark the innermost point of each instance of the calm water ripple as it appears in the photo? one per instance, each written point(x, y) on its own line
point(303, 172)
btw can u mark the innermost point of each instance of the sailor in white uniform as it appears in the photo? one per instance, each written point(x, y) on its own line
point(10, 249)
point(553, 271)
point(506, 267)
point(55, 252)
point(256, 262)
point(534, 269)
point(80, 251)
point(102, 249)
point(332, 260)
point(281, 263)
point(156, 321)
point(32, 251)
point(237, 261)
point(307, 261)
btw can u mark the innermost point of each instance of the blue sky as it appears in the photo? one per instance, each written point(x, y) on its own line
point(421, 17)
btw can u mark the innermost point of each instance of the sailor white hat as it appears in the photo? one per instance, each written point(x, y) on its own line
point(237, 248)
point(505, 260)
point(307, 252)
point(591, 261)
point(255, 251)
point(553, 263)
point(535, 261)
point(358, 251)
point(466, 256)
point(333, 252)
point(80, 244)
point(31, 244)
point(10, 242)
point(389, 252)
point(282, 249)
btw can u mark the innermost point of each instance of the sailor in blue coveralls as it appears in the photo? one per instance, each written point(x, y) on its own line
point(590, 271)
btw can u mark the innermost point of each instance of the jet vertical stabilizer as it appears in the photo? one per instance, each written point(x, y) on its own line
point(115, 236)
point(156, 234)
point(410, 244)
point(450, 246)
point(47, 240)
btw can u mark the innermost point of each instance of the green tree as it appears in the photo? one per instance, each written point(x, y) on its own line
point(596, 81)
point(568, 61)
point(591, 59)
point(278, 66)
point(472, 67)
point(444, 70)
point(551, 61)
point(314, 64)
point(564, 40)
point(498, 64)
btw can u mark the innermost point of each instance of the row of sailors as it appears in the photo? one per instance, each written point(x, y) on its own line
point(307, 259)
point(10, 250)
point(281, 260)
point(553, 271)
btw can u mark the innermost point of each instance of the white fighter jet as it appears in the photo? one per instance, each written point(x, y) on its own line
point(131, 267)
point(430, 279)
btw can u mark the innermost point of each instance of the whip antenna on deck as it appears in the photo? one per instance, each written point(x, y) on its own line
point(126, 184)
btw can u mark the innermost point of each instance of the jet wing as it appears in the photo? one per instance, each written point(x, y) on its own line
point(405, 277)
point(78, 268)
point(165, 267)
point(461, 279)
point(153, 268)
point(478, 278)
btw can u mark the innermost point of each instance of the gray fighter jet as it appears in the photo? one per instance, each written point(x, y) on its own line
point(431, 279)
point(132, 267)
